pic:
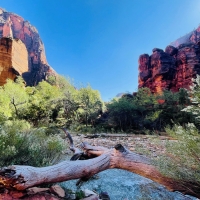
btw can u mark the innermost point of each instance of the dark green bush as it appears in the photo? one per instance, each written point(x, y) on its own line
point(19, 144)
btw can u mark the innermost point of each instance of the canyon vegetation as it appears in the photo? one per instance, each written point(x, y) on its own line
point(40, 109)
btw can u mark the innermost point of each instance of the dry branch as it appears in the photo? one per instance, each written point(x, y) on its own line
point(22, 177)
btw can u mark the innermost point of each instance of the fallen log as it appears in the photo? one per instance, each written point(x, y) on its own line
point(20, 178)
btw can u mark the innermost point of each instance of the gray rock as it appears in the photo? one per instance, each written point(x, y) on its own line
point(121, 184)
point(56, 189)
point(88, 192)
point(92, 197)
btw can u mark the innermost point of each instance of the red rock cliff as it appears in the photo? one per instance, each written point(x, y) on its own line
point(173, 68)
point(13, 59)
point(14, 26)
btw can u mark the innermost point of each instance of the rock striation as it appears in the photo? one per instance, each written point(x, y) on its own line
point(15, 27)
point(173, 68)
point(13, 59)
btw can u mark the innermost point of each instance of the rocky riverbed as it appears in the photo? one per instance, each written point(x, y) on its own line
point(124, 185)
point(150, 145)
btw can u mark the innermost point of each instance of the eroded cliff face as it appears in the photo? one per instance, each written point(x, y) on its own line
point(14, 26)
point(13, 59)
point(173, 68)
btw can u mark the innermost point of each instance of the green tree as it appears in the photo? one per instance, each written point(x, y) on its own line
point(145, 107)
point(5, 110)
point(65, 84)
point(170, 108)
point(136, 111)
point(90, 104)
point(18, 98)
point(121, 113)
point(42, 100)
point(65, 112)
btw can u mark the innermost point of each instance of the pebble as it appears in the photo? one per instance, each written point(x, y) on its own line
point(134, 143)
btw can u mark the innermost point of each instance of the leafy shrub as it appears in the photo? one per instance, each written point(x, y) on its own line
point(81, 128)
point(194, 108)
point(80, 194)
point(19, 144)
point(182, 161)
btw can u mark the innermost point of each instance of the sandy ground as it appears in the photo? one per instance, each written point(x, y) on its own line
point(149, 145)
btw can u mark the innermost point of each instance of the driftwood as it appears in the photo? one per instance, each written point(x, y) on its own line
point(20, 178)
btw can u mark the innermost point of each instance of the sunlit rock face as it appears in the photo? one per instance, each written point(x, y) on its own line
point(162, 65)
point(173, 68)
point(13, 59)
point(156, 71)
point(188, 64)
point(144, 69)
point(14, 26)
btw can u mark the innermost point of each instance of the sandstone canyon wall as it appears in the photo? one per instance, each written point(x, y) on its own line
point(13, 59)
point(14, 26)
point(173, 68)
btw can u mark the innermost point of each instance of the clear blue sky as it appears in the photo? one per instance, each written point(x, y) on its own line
point(99, 41)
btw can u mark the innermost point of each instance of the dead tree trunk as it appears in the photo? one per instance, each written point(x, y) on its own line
point(20, 178)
